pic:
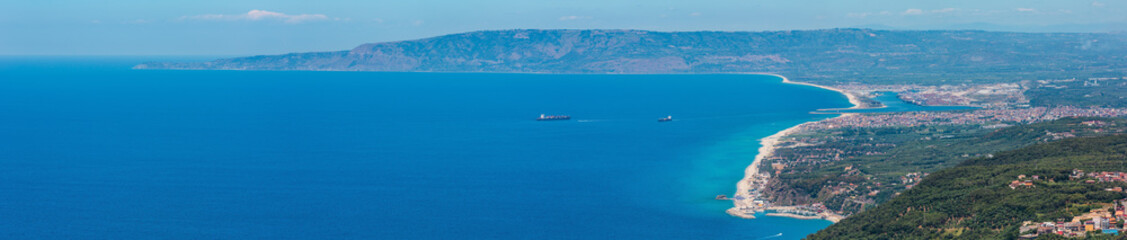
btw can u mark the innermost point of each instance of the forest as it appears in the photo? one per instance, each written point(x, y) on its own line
point(852, 169)
point(973, 199)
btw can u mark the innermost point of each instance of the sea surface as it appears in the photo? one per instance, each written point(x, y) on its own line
point(891, 102)
point(90, 149)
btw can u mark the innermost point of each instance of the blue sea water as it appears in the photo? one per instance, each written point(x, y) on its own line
point(90, 149)
point(892, 103)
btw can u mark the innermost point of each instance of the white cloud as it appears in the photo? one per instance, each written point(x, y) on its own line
point(915, 11)
point(1026, 10)
point(259, 15)
point(694, 14)
point(945, 10)
point(1098, 4)
point(570, 18)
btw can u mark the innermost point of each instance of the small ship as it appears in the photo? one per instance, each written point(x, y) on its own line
point(665, 119)
point(553, 117)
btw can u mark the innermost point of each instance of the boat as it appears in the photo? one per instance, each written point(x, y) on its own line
point(665, 119)
point(553, 117)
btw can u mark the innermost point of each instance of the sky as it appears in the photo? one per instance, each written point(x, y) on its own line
point(250, 27)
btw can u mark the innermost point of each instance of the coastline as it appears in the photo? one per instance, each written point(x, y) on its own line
point(853, 98)
point(795, 216)
point(745, 200)
point(784, 211)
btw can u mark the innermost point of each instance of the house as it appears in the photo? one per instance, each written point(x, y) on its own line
point(1046, 227)
point(1094, 123)
point(1073, 226)
point(1077, 173)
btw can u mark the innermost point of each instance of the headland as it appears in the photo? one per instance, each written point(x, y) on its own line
point(748, 200)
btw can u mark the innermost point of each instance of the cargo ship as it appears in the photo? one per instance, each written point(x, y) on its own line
point(665, 119)
point(553, 117)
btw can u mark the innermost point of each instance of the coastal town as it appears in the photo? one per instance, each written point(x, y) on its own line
point(992, 118)
point(996, 106)
point(1106, 218)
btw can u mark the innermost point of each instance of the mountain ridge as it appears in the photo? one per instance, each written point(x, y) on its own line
point(843, 55)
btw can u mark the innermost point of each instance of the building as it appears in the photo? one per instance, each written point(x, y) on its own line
point(1073, 226)
point(1046, 228)
point(1101, 223)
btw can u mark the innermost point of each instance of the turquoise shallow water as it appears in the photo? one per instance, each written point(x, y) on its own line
point(892, 103)
point(92, 149)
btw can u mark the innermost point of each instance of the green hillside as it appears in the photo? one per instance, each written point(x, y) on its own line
point(880, 159)
point(974, 201)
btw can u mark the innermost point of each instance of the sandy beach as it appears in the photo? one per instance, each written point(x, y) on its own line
point(832, 217)
point(744, 199)
point(751, 174)
point(791, 215)
point(825, 216)
point(853, 98)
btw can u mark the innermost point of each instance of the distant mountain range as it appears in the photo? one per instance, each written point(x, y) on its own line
point(985, 26)
point(838, 55)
